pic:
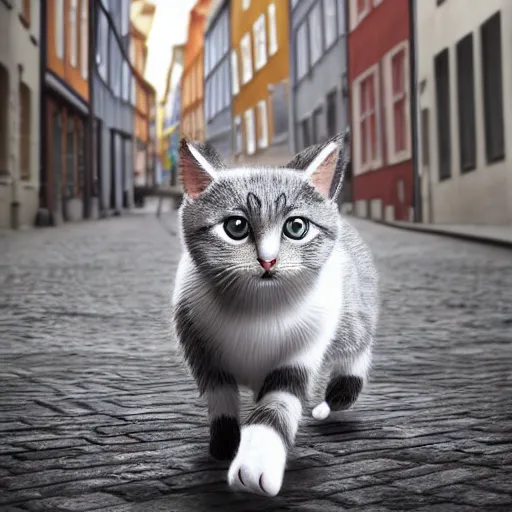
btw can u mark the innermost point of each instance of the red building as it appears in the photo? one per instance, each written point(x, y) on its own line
point(378, 46)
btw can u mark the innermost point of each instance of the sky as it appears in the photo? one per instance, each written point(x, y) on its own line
point(170, 26)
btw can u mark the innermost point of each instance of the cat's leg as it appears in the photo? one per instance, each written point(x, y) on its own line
point(347, 380)
point(223, 412)
point(270, 431)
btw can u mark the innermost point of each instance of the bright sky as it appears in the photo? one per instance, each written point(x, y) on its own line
point(169, 28)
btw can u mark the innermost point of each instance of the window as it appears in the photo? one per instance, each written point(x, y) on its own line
point(238, 135)
point(279, 99)
point(126, 81)
point(272, 29)
point(227, 94)
point(250, 144)
point(396, 78)
point(315, 34)
point(330, 22)
point(302, 53)
point(493, 89)
point(225, 31)
point(84, 39)
point(246, 4)
point(102, 56)
point(25, 141)
point(262, 124)
point(70, 157)
point(316, 122)
point(367, 132)
point(306, 135)
point(376, 3)
point(246, 51)
point(466, 103)
point(59, 28)
point(73, 37)
point(260, 42)
point(341, 18)
point(442, 78)
point(359, 9)
point(332, 124)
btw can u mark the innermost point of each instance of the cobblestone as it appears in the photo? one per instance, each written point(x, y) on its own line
point(98, 413)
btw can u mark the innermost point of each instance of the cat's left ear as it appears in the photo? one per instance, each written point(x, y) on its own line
point(324, 165)
point(199, 164)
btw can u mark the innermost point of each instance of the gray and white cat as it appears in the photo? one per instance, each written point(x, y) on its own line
point(273, 289)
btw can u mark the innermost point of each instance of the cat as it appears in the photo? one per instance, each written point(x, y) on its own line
point(274, 288)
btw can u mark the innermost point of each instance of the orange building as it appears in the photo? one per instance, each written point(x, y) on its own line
point(141, 17)
point(192, 92)
point(66, 109)
point(259, 70)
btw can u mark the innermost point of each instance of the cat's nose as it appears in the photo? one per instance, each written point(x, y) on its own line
point(267, 265)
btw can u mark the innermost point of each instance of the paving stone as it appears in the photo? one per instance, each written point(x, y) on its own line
point(97, 411)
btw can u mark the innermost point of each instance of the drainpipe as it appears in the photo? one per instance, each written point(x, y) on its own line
point(414, 112)
point(43, 135)
point(90, 140)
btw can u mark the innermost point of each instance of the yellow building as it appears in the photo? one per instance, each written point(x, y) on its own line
point(259, 73)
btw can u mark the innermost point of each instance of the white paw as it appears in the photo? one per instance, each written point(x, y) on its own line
point(259, 464)
point(321, 411)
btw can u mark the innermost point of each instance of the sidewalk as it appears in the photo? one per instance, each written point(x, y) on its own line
point(494, 235)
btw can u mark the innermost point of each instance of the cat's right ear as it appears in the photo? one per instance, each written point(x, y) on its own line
point(196, 167)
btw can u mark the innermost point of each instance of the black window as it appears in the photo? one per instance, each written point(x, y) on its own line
point(442, 76)
point(317, 126)
point(306, 135)
point(466, 103)
point(332, 124)
point(493, 89)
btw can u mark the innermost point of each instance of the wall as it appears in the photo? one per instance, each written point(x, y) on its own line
point(18, 46)
point(483, 195)
point(385, 27)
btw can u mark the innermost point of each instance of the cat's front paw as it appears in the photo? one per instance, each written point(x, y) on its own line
point(260, 462)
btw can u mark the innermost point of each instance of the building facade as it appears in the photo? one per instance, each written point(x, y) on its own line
point(19, 112)
point(217, 81)
point(66, 187)
point(114, 100)
point(141, 19)
point(192, 92)
point(171, 106)
point(318, 73)
point(464, 72)
point(260, 87)
point(379, 53)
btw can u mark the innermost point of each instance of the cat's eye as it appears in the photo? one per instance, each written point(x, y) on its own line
point(296, 228)
point(236, 228)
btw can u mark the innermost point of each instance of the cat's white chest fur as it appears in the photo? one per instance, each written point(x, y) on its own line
point(251, 346)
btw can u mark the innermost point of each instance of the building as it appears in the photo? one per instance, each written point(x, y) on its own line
point(379, 53)
point(217, 81)
point(260, 70)
point(19, 112)
point(141, 16)
point(318, 73)
point(113, 103)
point(171, 107)
point(192, 93)
point(464, 72)
point(66, 193)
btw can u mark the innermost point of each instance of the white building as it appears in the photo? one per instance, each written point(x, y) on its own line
point(464, 82)
point(19, 112)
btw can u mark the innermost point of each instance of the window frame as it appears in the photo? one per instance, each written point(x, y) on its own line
point(73, 32)
point(377, 162)
point(250, 143)
point(313, 34)
point(246, 54)
point(59, 30)
point(84, 39)
point(332, 42)
point(259, 32)
point(273, 44)
point(262, 120)
point(303, 28)
point(396, 156)
point(357, 17)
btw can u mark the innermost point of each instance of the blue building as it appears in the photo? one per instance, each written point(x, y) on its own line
point(217, 79)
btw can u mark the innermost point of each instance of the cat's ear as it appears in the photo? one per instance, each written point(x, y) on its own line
point(198, 167)
point(324, 164)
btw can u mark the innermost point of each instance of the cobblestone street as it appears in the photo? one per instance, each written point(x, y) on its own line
point(97, 412)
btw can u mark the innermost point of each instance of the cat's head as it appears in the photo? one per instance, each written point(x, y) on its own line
point(260, 236)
